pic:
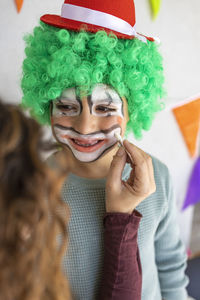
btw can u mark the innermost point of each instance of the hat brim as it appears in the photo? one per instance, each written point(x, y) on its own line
point(60, 22)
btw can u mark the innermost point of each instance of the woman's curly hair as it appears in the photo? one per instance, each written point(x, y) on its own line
point(57, 59)
point(30, 214)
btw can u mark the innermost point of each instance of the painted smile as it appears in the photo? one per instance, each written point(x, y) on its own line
point(87, 146)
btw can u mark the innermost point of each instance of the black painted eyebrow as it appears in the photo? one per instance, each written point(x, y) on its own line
point(109, 97)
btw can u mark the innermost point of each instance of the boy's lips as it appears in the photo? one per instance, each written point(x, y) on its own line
point(86, 145)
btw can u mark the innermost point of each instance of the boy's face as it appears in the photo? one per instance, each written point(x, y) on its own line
point(87, 126)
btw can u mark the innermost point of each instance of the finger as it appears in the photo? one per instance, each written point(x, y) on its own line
point(116, 169)
point(142, 175)
point(151, 172)
point(141, 180)
point(139, 176)
point(129, 160)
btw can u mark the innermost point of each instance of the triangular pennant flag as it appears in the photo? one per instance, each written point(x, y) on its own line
point(188, 118)
point(155, 7)
point(19, 4)
point(193, 192)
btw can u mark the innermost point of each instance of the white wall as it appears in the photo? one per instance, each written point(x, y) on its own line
point(178, 27)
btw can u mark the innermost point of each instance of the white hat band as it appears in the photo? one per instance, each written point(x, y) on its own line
point(94, 17)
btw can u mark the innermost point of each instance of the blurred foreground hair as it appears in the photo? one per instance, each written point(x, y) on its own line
point(30, 214)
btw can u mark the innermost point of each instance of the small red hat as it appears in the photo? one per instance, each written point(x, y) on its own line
point(117, 16)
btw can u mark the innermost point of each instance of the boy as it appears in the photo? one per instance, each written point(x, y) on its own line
point(91, 75)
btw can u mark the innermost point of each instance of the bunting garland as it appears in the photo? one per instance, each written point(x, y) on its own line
point(19, 4)
point(155, 7)
point(193, 191)
point(188, 118)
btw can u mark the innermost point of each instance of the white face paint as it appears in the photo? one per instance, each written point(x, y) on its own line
point(67, 105)
point(87, 148)
point(105, 102)
point(107, 107)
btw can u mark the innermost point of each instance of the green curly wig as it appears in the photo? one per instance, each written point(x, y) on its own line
point(57, 59)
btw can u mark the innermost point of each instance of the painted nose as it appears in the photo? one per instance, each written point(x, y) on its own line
point(86, 123)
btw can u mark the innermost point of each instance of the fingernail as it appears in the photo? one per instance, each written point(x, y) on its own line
point(127, 142)
point(121, 151)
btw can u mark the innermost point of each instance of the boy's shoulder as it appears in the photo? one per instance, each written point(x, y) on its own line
point(160, 168)
point(162, 176)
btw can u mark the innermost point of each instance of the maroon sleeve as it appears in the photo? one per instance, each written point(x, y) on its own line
point(122, 274)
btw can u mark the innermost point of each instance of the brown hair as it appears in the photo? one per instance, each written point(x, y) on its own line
point(30, 214)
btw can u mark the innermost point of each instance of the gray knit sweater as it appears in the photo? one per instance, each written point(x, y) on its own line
point(162, 254)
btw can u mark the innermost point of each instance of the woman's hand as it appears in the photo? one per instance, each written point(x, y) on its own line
point(124, 196)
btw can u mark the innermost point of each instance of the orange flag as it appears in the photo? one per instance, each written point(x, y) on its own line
point(19, 4)
point(188, 118)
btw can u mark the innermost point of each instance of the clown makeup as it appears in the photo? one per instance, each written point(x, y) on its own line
point(105, 102)
point(87, 147)
point(88, 127)
point(68, 104)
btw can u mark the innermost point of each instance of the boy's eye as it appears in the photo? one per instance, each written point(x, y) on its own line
point(67, 107)
point(104, 109)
